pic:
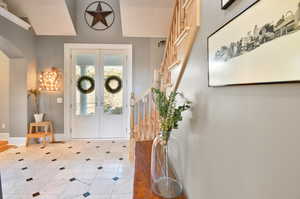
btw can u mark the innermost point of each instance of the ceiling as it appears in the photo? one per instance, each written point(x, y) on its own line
point(44, 16)
point(146, 18)
point(140, 18)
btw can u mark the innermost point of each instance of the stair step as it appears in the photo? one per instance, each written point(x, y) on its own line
point(3, 143)
point(6, 147)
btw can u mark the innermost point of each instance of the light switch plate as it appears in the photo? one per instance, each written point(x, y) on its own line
point(59, 100)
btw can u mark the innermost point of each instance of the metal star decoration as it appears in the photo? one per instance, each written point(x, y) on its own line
point(99, 15)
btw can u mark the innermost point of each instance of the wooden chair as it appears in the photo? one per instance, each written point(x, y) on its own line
point(35, 132)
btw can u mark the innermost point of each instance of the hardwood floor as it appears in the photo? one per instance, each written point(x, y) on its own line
point(142, 178)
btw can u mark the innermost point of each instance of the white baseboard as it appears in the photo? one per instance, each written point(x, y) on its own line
point(4, 136)
point(21, 141)
point(17, 141)
point(60, 137)
point(103, 139)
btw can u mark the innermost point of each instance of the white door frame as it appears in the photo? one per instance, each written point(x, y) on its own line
point(67, 79)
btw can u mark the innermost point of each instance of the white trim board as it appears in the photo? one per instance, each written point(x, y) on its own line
point(21, 141)
point(13, 18)
point(103, 139)
point(60, 137)
point(4, 136)
point(17, 141)
point(68, 47)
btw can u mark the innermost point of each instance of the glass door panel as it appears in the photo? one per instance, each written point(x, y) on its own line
point(85, 92)
point(85, 101)
point(113, 95)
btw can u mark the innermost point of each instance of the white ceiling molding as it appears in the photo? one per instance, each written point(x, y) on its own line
point(47, 17)
point(146, 18)
point(13, 18)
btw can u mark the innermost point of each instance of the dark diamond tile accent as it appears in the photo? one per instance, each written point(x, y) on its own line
point(24, 168)
point(62, 168)
point(70, 147)
point(86, 194)
point(29, 179)
point(72, 179)
point(18, 153)
point(77, 152)
point(116, 178)
point(88, 159)
point(53, 160)
point(121, 159)
point(99, 168)
point(113, 142)
point(108, 152)
point(97, 147)
point(36, 194)
point(47, 153)
point(124, 146)
point(20, 159)
point(88, 142)
point(42, 147)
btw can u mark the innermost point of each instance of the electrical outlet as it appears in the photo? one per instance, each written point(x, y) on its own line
point(59, 100)
point(3, 126)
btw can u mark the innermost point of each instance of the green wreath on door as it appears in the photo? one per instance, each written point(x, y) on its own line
point(108, 86)
point(91, 87)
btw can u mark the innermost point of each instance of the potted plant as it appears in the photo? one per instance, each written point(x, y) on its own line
point(163, 180)
point(35, 93)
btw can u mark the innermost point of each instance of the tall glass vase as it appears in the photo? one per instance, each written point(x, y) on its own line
point(163, 177)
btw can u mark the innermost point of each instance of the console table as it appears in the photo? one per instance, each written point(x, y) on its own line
point(142, 181)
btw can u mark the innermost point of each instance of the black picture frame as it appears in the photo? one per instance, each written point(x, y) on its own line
point(227, 4)
point(279, 81)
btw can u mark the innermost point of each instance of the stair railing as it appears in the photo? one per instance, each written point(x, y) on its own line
point(144, 118)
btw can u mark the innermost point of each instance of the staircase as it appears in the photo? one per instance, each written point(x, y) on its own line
point(5, 146)
point(144, 118)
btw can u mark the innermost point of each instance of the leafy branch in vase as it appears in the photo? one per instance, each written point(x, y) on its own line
point(170, 112)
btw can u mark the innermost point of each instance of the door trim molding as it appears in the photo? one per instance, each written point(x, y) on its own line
point(68, 47)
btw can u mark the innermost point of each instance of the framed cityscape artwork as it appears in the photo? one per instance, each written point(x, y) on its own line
point(226, 3)
point(261, 45)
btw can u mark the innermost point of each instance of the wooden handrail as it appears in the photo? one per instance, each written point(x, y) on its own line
point(182, 34)
point(186, 57)
point(183, 31)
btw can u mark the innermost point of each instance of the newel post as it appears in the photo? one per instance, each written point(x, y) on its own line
point(132, 122)
point(132, 128)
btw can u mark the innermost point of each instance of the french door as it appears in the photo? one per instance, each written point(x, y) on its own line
point(99, 94)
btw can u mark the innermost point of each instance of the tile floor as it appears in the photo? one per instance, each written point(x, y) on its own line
point(72, 170)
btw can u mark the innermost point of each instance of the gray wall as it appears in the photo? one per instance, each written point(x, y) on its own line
point(50, 52)
point(18, 98)
point(241, 141)
point(21, 52)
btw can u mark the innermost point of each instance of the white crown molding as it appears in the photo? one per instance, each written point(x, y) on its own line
point(13, 18)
